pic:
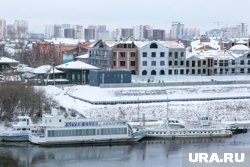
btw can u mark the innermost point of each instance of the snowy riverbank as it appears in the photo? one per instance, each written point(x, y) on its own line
point(223, 110)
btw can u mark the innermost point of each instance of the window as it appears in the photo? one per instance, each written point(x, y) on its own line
point(170, 54)
point(248, 62)
point(132, 54)
point(187, 63)
point(154, 46)
point(176, 63)
point(162, 63)
point(204, 71)
point(215, 62)
point(187, 71)
point(176, 55)
point(122, 63)
point(181, 71)
point(122, 54)
point(170, 63)
point(233, 62)
point(182, 54)
point(215, 71)
point(153, 72)
point(162, 72)
point(199, 71)
point(242, 70)
point(133, 72)
point(221, 63)
point(153, 63)
point(193, 71)
point(153, 54)
point(114, 63)
point(242, 62)
point(132, 63)
point(199, 63)
point(144, 54)
point(114, 54)
point(204, 62)
point(193, 63)
point(226, 63)
point(144, 63)
point(169, 72)
point(181, 63)
point(162, 54)
point(221, 71)
point(144, 72)
point(233, 70)
point(248, 70)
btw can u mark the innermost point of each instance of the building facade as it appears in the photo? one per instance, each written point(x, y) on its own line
point(153, 59)
point(125, 56)
point(100, 54)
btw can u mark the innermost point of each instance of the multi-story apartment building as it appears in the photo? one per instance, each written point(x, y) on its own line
point(2, 28)
point(125, 56)
point(153, 59)
point(89, 34)
point(21, 28)
point(141, 32)
point(158, 34)
point(190, 33)
point(177, 30)
point(124, 33)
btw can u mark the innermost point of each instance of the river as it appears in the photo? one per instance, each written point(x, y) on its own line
point(147, 153)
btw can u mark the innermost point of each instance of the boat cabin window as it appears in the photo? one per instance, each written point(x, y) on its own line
point(24, 129)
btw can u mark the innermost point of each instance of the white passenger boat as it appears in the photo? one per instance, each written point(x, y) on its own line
point(58, 130)
point(19, 131)
point(203, 129)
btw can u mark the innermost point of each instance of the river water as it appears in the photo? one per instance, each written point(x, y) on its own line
point(147, 153)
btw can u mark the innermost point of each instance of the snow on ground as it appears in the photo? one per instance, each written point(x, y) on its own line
point(189, 78)
point(143, 93)
point(223, 110)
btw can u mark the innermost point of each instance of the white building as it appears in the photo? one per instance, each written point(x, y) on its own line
point(153, 59)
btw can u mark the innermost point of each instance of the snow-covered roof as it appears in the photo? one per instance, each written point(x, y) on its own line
point(172, 44)
point(46, 69)
point(196, 45)
point(67, 41)
point(24, 68)
point(239, 48)
point(78, 65)
point(84, 56)
point(7, 60)
point(241, 42)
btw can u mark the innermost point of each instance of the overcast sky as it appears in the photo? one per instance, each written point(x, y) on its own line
point(202, 14)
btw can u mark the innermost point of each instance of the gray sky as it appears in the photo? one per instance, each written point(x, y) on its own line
point(201, 14)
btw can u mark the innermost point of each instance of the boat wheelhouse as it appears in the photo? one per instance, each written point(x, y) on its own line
point(58, 130)
point(19, 131)
point(180, 130)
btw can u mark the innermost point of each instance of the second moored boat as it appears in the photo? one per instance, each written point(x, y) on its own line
point(58, 130)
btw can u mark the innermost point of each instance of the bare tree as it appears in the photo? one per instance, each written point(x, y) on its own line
point(20, 99)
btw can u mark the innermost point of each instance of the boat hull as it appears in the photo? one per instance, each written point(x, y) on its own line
point(87, 142)
point(17, 138)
